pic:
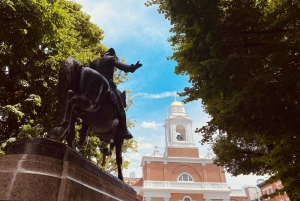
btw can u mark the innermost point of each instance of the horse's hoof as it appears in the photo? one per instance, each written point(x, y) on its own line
point(56, 133)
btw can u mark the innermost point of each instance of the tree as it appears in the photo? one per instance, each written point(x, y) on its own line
point(35, 36)
point(242, 59)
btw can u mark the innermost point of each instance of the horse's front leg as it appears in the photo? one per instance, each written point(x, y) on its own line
point(74, 100)
point(119, 144)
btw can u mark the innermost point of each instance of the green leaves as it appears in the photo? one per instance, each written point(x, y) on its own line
point(13, 111)
point(35, 37)
point(243, 61)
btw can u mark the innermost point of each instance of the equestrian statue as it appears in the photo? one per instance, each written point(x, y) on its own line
point(89, 93)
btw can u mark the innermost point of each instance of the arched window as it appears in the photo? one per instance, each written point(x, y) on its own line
point(185, 177)
point(186, 198)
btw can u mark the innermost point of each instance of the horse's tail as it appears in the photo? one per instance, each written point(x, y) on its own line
point(68, 79)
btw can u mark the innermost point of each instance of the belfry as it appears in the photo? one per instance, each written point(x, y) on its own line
point(178, 133)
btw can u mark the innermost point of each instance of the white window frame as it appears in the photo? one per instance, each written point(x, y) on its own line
point(188, 176)
point(187, 197)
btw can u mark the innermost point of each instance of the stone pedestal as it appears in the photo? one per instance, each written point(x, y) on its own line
point(43, 169)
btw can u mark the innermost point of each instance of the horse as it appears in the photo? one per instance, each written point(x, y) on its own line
point(84, 93)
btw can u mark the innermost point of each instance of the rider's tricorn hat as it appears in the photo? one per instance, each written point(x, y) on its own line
point(111, 51)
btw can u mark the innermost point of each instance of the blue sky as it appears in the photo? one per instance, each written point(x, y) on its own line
point(140, 33)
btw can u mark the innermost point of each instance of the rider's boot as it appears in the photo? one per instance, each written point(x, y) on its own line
point(125, 132)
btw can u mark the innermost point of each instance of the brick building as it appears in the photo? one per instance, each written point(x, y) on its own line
point(180, 174)
point(253, 193)
point(269, 193)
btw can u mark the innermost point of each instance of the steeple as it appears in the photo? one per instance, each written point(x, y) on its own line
point(178, 128)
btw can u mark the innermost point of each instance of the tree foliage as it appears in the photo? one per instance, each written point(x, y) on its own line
point(242, 59)
point(35, 36)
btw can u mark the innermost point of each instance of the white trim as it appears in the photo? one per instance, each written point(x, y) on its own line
point(182, 144)
point(210, 196)
point(174, 185)
point(238, 193)
point(190, 199)
point(210, 190)
point(179, 117)
point(202, 161)
point(157, 194)
point(162, 193)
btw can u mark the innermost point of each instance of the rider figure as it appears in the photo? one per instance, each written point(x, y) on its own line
point(106, 65)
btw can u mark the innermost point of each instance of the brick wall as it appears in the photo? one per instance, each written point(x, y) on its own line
point(271, 188)
point(238, 199)
point(157, 171)
point(214, 173)
point(175, 169)
point(183, 152)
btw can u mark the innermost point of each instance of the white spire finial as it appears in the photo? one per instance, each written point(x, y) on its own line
point(175, 94)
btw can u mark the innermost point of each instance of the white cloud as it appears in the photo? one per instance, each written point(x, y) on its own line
point(121, 19)
point(140, 138)
point(152, 125)
point(242, 180)
point(145, 146)
point(156, 96)
point(133, 156)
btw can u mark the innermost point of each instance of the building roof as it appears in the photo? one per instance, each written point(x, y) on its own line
point(139, 182)
point(176, 103)
point(262, 184)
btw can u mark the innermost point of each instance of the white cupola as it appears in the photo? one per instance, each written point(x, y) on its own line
point(176, 108)
point(178, 127)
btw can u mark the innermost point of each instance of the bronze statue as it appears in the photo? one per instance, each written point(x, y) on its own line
point(90, 94)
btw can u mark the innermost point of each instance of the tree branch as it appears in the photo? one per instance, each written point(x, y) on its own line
point(270, 31)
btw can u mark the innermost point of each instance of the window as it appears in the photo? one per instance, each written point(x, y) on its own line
point(186, 198)
point(185, 177)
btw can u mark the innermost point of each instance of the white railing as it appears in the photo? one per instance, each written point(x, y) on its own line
point(237, 192)
point(189, 185)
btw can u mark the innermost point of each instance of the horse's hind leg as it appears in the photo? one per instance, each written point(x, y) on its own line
point(83, 133)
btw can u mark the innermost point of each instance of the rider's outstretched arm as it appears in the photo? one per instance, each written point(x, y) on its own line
point(127, 68)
